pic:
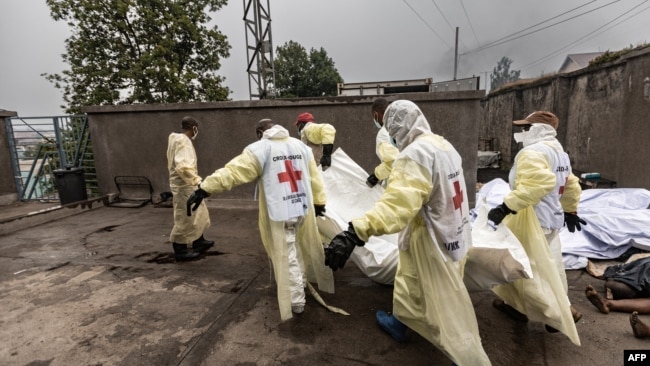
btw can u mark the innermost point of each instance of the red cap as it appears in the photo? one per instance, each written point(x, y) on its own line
point(304, 117)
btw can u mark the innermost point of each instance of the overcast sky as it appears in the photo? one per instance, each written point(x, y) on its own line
point(369, 40)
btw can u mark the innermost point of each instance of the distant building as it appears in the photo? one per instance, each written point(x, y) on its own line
point(577, 61)
point(407, 86)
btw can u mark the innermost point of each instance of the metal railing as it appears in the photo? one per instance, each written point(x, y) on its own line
point(39, 146)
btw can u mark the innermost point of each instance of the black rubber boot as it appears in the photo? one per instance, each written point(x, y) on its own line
point(200, 245)
point(181, 253)
point(509, 310)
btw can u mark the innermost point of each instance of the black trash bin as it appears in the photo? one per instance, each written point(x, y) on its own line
point(71, 184)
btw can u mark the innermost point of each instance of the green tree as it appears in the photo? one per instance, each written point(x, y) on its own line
point(298, 74)
point(502, 75)
point(140, 51)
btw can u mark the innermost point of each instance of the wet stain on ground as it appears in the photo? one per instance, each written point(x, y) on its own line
point(107, 228)
point(57, 266)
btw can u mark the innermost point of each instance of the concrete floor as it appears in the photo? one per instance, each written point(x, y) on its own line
point(100, 287)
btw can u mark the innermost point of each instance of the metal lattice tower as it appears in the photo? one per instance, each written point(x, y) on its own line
point(259, 49)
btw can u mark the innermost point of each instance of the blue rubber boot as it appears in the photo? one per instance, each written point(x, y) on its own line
point(392, 326)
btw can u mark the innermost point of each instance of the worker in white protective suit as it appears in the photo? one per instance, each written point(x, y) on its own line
point(318, 136)
point(385, 151)
point(183, 180)
point(426, 202)
point(544, 197)
point(291, 195)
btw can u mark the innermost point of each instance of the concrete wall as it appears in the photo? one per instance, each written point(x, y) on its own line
point(132, 140)
point(7, 182)
point(603, 116)
point(633, 156)
point(595, 119)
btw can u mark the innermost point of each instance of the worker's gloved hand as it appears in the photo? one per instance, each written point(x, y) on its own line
point(573, 221)
point(497, 214)
point(196, 198)
point(326, 159)
point(341, 247)
point(319, 210)
point(372, 180)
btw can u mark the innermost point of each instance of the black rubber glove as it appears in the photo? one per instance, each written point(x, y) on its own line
point(372, 180)
point(196, 198)
point(341, 247)
point(573, 222)
point(497, 214)
point(326, 159)
point(319, 210)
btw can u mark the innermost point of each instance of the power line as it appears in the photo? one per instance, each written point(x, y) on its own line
point(540, 23)
point(443, 15)
point(511, 38)
point(473, 31)
point(427, 24)
point(548, 26)
point(453, 30)
point(590, 35)
point(469, 21)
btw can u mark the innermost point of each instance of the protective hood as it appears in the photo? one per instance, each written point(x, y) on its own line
point(275, 133)
point(405, 122)
point(539, 132)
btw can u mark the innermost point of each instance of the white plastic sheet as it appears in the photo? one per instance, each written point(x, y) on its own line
point(498, 257)
point(349, 197)
point(617, 219)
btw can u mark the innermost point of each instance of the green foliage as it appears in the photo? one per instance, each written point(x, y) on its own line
point(298, 74)
point(502, 75)
point(140, 51)
point(609, 56)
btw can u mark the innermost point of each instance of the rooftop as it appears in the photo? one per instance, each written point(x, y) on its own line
point(99, 285)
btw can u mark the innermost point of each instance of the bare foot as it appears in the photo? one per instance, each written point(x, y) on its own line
point(639, 329)
point(596, 300)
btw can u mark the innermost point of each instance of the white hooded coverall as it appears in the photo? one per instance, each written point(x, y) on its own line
point(315, 135)
point(542, 189)
point(183, 180)
point(426, 202)
point(289, 185)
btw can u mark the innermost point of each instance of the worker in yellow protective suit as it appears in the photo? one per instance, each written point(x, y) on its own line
point(318, 136)
point(291, 195)
point(426, 202)
point(183, 180)
point(544, 197)
point(386, 152)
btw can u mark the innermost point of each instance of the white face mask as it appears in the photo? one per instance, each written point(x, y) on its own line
point(196, 132)
point(520, 136)
point(375, 115)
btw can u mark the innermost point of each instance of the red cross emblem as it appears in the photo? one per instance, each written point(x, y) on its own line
point(458, 198)
point(562, 187)
point(291, 176)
